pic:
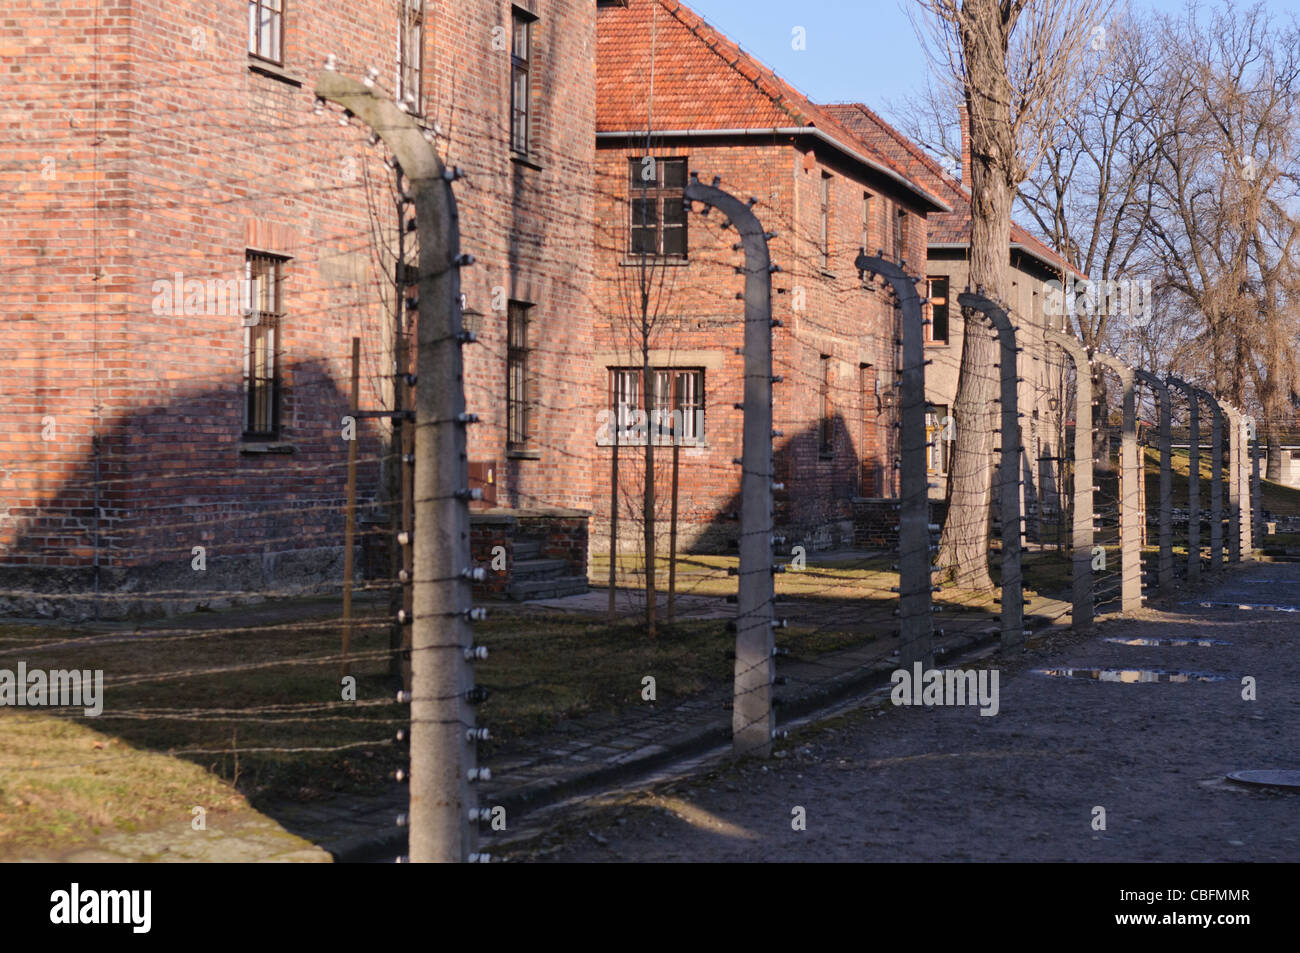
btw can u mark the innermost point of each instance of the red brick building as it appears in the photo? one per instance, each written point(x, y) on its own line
point(1034, 266)
point(674, 95)
point(191, 245)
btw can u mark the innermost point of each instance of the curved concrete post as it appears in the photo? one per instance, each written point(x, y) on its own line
point(1234, 481)
point(916, 621)
point(1165, 564)
point(1130, 529)
point(1216, 481)
point(752, 720)
point(1256, 496)
point(1249, 487)
point(442, 754)
point(1193, 479)
point(1082, 539)
point(1013, 599)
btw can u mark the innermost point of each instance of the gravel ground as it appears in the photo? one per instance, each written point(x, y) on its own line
point(945, 783)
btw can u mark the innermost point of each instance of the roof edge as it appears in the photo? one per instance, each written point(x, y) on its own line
point(936, 203)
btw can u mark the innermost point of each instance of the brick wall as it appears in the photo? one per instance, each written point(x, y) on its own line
point(826, 312)
point(146, 148)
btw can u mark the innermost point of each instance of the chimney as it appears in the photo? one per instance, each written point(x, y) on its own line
point(965, 145)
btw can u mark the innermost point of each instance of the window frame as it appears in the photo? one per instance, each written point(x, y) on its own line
point(661, 194)
point(519, 435)
point(521, 66)
point(410, 70)
point(825, 221)
point(900, 234)
point(255, 9)
point(625, 392)
point(933, 304)
point(268, 409)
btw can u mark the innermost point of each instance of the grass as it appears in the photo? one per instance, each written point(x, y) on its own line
point(217, 708)
point(1276, 498)
point(63, 783)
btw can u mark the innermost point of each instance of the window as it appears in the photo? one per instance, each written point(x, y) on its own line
point(936, 332)
point(266, 29)
point(827, 429)
point(264, 274)
point(900, 234)
point(517, 422)
point(658, 206)
point(936, 432)
point(521, 81)
point(410, 55)
point(825, 247)
point(676, 410)
point(866, 223)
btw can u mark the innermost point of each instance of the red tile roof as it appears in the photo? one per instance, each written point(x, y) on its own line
point(945, 228)
point(659, 64)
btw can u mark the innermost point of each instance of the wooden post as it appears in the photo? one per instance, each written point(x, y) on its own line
point(349, 531)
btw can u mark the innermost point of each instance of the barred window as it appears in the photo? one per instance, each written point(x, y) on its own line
point(517, 397)
point(676, 407)
point(521, 79)
point(658, 205)
point(264, 274)
point(266, 29)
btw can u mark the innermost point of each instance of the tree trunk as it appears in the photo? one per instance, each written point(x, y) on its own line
point(964, 548)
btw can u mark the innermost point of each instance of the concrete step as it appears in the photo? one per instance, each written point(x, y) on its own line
point(525, 569)
point(551, 588)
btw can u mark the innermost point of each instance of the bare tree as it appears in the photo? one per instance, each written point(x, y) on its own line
point(1225, 225)
point(1015, 63)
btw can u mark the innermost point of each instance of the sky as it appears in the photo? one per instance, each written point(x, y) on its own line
point(856, 50)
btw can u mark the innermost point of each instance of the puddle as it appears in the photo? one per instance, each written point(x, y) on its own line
point(1130, 676)
point(1245, 606)
point(1202, 643)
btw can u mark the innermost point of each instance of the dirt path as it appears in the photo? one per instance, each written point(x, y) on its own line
point(944, 783)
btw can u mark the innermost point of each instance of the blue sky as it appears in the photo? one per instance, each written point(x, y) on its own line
point(863, 50)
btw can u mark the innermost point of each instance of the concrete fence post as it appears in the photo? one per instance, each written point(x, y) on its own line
point(1193, 478)
point(752, 719)
point(1082, 612)
point(442, 717)
point(1256, 494)
point(1235, 521)
point(1165, 521)
point(915, 567)
point(1130, 530)
point(1013, 600)
point(1248, 487)
point(1216, 481)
